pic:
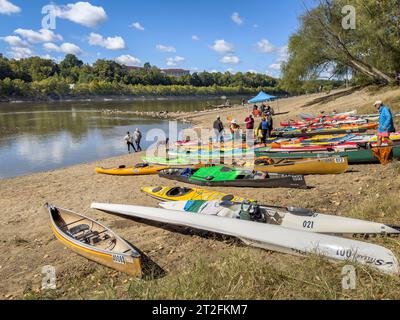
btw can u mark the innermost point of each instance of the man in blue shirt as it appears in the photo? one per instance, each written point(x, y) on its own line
point(386, 124)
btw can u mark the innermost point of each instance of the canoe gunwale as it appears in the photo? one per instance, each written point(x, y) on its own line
point(134, 254)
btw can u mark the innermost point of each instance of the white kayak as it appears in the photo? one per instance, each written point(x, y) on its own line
point(266, 236)
point(288, 217)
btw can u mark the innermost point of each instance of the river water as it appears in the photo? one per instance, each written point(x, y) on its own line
point(47, 136)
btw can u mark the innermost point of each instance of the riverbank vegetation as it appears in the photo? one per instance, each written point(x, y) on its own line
point(41, 78)
point(360, 43)
point(38, 78)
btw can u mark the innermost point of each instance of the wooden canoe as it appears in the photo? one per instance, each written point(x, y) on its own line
point(93, 240)
point(329, 165)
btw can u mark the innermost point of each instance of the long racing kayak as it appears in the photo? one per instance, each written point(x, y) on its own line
point(266, 236)
point(289, 217)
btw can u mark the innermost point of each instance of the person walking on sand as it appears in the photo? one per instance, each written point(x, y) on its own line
point(219, 130)
point(386, 124)
point(129, 141)
point(137, 137)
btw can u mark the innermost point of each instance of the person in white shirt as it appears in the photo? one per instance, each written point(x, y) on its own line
point(137, 137)
point(129, 141)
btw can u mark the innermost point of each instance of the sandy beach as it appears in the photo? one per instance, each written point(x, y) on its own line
point(27, 243)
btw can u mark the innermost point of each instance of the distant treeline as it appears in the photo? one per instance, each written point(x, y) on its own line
point(39, 78)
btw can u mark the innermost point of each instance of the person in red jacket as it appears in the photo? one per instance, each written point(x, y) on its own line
point(249, 127)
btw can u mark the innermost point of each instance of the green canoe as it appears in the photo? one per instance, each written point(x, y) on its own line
point(354, 157)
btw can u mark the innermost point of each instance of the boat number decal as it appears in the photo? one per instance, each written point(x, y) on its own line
point(308, 224)
point(297, 178)
point(339, 160)
point(344, 253)
point(118, 258)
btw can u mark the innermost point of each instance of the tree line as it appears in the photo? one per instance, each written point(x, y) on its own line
point(40, 78)
point(359, 43)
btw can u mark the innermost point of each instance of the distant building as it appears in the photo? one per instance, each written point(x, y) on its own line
point(168, 72)
point(175, 72)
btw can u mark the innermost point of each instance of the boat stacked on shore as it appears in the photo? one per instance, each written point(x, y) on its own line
point(314, 145)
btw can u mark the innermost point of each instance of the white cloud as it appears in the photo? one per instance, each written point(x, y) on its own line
point(236, 18)
point(173, 62)
point(275, 66)
point(265, 46)
point(221, 46)
point(163, 48)
point(83, 13)
point(195, 38)
point(18, 53)
point(110, 43)
point(68, 48)
point(252, 71)
point(230, 59)
point(15, 41)
point(128, 60)
point(6, 7)
point(283, 53)
point(230, 70)
point(137, 26)
point(255, 26)
point(43, 35)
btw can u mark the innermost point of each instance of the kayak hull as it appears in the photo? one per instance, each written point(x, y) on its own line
point(292, 218)
point(321, 166)
point(270, 237)
point(354, 157)
point(131, 171)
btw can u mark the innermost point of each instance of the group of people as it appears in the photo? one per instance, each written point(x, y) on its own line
point(265, 128)
point(133, 140)
point(263, 110)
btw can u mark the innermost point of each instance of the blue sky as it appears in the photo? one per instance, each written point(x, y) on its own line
point(219, 35)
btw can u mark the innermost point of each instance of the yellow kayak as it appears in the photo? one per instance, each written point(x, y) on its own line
point(331, 165)
point(185, 194)
point(139, 170)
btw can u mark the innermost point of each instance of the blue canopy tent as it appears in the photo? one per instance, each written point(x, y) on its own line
point(262, 97)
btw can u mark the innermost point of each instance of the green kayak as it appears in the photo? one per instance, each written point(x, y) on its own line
point(354, 157)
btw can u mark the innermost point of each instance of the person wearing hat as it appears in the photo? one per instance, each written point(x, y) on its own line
point(234, 128)
point(219, 130)
point(386, 124)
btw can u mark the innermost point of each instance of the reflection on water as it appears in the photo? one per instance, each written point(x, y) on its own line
point(41, 137)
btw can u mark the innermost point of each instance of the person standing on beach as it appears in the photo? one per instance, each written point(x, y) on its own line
point(264, 127)
point(219, 130)
point(249, 127)
point(386, 124)
point(129, 141)
point(137, 137)
point(270, 124)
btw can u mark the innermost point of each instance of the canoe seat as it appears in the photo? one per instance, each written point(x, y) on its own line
point(78, 229)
